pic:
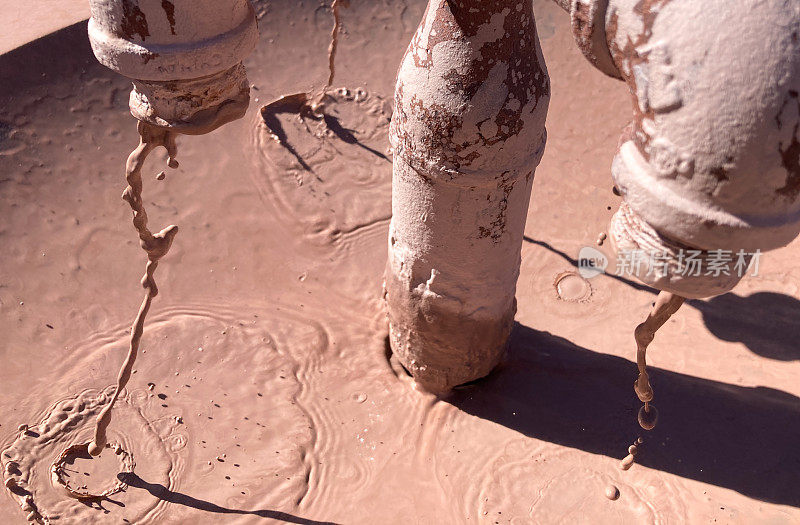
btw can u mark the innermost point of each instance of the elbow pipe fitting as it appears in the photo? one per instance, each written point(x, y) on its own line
point(710, 160)
point(467, 133)
point(183, 56)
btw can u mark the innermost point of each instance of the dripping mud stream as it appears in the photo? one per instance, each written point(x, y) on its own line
point(263, 389)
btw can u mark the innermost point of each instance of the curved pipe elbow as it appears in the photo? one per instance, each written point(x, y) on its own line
point(710, 160)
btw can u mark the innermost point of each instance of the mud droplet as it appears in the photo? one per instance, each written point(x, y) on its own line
point(359, 397)
point(627, 462)
point(612, 492)
point(648, 418)
point(161, 175)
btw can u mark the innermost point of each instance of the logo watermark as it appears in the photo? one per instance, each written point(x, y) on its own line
point(685, 263)
point(591, 262)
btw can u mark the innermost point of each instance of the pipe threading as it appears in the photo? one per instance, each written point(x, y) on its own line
point(195, 106)
point(666, 264)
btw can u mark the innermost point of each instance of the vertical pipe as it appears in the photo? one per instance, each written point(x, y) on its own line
point(468, 132)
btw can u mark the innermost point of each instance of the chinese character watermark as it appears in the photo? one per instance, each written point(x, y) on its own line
point(684, 263)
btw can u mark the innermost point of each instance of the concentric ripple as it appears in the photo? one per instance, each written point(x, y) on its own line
point(251, 440)
point(29, 460)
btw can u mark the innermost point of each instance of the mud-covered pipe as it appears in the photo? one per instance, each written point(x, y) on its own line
point(710, 159)
point(183, 56)
point(467, 132)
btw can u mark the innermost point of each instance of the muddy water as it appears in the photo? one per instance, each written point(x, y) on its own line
point(263, 387)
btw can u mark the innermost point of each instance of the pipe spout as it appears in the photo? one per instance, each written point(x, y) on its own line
point(183, 56)
point(710, 162)
point(468, 132)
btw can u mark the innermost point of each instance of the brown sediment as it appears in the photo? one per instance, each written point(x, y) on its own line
point(156, 245)
point(666, 304)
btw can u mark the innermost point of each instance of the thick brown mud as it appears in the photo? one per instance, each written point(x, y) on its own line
point(263, 390)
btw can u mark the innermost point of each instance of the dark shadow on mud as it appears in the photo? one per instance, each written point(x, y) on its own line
point(294, 105)
point(347, 136)
point(63, 54)
point(574, 263)
point(768, 323)
point(741, 438)
point(163, 493)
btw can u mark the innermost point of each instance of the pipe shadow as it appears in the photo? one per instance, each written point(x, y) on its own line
point(574, 263)
point(163, 493)
point(347, 136)
point(291, 104)
point(765, 322)
point(66, 53)
point(741, 438)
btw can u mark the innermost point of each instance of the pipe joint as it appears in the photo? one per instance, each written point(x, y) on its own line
point(184, 57)
point(193, 106)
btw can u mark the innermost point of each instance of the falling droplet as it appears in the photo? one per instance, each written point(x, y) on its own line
point(648, 417)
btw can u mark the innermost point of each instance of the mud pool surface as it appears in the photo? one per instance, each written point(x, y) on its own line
point(263, 390)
